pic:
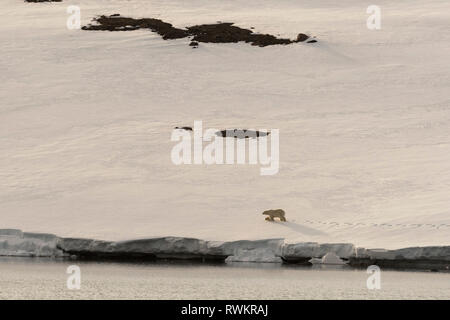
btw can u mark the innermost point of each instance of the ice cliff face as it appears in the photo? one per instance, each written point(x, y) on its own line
point(178, 248)
point(299, 252)
point(413, 253)
point(269, 250)
point(17, 243)
point(166, 247)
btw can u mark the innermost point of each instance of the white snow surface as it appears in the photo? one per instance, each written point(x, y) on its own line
point(364, 120)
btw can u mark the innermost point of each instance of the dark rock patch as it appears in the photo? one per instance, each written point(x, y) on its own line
point(228, 33)
point(215, 33)
point(241, 133)
point(36, 1)
point(302, 37)
point(184, 128)
point(118, 23)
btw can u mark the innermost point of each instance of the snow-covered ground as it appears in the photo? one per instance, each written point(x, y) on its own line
point(364, 120)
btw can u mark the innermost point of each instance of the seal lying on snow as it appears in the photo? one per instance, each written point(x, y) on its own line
point(278, 213)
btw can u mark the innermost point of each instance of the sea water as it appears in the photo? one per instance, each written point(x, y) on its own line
point(33, 278)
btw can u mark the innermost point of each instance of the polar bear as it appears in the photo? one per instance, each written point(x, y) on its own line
point(278, 213)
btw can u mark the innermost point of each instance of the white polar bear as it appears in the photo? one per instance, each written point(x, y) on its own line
point(277, 213)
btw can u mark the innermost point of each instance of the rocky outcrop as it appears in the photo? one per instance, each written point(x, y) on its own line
point(221, 32)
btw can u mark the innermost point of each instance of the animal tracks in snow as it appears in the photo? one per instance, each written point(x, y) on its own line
point(382, 225)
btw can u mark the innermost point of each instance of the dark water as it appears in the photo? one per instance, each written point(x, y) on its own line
point(30, 278)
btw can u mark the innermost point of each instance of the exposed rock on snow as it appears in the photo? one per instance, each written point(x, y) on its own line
point(35, 1)
point(184, 128)
point(302, 37)
point(241, 133)
point(216, 33)
point(118, 23)
point(227, 32)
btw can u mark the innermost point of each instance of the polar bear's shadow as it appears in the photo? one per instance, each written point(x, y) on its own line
point(300, 228)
